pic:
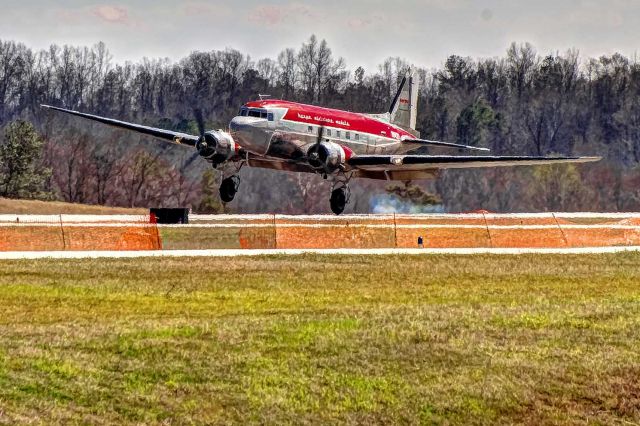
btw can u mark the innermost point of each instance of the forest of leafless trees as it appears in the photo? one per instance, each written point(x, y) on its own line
point(525, 102)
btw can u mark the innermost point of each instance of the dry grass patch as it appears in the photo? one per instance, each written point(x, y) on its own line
point(8, 206)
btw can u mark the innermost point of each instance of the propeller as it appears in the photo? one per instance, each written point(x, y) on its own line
point(201, 144)
point(197, 113)
point(207, 145)
point(190, 160)
point(314, 153)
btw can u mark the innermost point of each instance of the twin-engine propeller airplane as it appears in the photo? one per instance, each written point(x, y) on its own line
point(339, 145)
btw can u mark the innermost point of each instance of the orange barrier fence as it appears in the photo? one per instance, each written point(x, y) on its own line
point(52, 233)
point(59, 233)
point(404, 231)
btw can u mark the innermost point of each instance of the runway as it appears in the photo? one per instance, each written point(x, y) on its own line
point(298, 252)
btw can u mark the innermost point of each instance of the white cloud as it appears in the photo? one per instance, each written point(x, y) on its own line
point(112, 14)
point(287, 14)
point(203, 9)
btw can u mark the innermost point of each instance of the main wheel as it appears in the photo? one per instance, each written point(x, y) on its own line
point(229, 188)
point(338, 200)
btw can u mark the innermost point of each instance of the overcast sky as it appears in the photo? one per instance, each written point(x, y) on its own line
point(364, 32)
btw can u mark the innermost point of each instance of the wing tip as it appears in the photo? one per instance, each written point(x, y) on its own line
point(591, 159)
point(55, 108)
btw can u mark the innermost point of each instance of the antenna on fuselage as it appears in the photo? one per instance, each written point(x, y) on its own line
point(263, 97)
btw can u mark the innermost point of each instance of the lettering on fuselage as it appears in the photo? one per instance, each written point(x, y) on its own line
point(328, 120)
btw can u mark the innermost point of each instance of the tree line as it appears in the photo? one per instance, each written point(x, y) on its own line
point(521, 103)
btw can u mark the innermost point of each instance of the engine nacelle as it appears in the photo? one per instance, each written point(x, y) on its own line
point(217, 147)
point(328, 156)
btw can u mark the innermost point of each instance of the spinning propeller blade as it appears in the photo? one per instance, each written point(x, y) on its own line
point(313, 155)
point(197, 112)
point(320, 135)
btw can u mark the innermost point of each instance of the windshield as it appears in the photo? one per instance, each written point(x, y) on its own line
point(256, 112)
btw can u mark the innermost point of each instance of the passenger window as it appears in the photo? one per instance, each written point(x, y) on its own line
point(328, 132)
point(270, 116)
point(348, 135)
point(357, 136)
point(310, 129)
point(338, 133)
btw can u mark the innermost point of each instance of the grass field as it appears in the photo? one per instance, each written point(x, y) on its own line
point(184, 238)
point(316, 339)
point(8, 206)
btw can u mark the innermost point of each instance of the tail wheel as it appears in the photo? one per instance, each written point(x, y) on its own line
point(338, 200)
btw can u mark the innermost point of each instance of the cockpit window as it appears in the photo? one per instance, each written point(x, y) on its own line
point(255, 112)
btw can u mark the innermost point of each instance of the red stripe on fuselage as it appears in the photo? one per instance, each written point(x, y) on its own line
point(345, 120)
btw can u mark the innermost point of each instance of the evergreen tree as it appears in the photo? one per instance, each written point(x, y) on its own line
point(210, 202)
point(21, 172)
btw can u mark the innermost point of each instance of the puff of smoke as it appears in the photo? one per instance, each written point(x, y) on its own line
point(387, 203)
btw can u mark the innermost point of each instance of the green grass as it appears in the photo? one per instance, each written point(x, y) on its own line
point(317, 339)
point(184, 238)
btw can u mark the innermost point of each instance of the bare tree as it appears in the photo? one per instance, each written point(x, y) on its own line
point(287, 78)
point(267, 70)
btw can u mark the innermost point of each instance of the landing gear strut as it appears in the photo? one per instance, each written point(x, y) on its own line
point(229, 188)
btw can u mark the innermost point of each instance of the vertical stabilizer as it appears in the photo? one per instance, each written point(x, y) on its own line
point(403, 110)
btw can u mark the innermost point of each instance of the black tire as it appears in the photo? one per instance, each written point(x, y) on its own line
point(338, 200)
point(228, 189)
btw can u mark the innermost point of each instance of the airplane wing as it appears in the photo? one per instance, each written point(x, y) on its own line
point(417, 162)
point(405, 167)
point(424, 142)
point(167, 135)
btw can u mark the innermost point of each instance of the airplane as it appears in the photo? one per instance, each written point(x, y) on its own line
point(339, 145)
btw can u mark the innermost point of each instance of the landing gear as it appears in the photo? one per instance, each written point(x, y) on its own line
point(229, 185)
point(229, 188)
point(339, 199)
point(340, 192)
